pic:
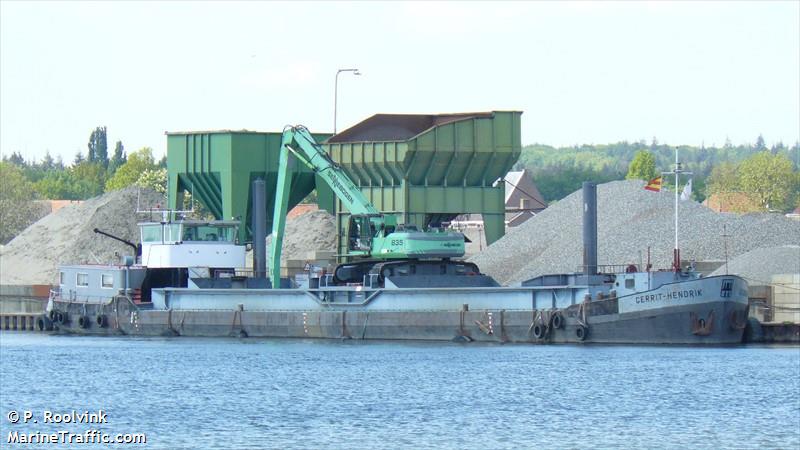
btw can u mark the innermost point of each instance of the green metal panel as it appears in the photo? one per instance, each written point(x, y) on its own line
point(431, 168)
point(220, 166)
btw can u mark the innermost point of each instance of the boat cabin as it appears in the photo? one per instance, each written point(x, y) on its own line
point(98, 283)
point(191, 243)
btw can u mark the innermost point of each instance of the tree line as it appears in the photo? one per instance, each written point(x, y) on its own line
point(559, 171)
point(90, 174)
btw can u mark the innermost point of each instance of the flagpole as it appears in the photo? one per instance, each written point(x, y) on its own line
point(676, 252)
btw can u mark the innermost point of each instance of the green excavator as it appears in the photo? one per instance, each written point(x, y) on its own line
point(377, 243)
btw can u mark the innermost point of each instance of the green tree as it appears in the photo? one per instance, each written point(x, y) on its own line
point(611, 161)
point(556, 183)
point(155, 179)
point(760, 144)
point(723, 183)
point(98, 147)
point(768, 178)
point(79, 182)
point(643, 166)
point(47, 162)
point(118, 159)
point(17, 208)
point(129, 173)
point(16, 159)
point(723, 179)
point(91, 176)
point(57, 185)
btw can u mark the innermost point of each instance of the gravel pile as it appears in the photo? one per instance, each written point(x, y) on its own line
point(306, 234)
point(66, 237)
point(759, 265)
point(630, 219)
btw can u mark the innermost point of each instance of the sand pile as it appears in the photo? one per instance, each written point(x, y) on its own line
point(66, 237)
point(307, 234)
point(629, 220)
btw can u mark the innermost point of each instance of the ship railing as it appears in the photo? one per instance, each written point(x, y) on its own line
point(234, 273)
point(76, 297)
point(248, 273)
point(605, 269)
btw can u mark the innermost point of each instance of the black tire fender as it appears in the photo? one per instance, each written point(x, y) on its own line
point(581, 332)
point(539, 331)
point(558, 320)
point(44, 324)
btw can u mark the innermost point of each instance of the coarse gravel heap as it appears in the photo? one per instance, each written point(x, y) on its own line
point(630, 219)
point(67, 237)
point(759, 265)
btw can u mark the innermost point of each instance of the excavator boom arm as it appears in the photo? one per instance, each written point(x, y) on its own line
point(387, 244)
point(297, 140)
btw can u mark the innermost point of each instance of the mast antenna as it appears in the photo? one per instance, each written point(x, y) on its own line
point(725, 237)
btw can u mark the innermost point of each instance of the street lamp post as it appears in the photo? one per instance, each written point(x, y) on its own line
point(336, 92)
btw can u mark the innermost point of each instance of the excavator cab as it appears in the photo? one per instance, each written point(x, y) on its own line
point(362, 229)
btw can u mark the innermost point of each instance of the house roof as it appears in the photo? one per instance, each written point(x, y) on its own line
point(301, 209)
point(399, 127)
point(55, 205)
point(512, 181)
point(521, 183)
point(731, 202)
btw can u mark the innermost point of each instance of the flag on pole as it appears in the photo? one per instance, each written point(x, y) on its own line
point(654, 185)
point(687, 191)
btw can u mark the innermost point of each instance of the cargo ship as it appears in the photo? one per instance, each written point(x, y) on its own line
point(186, 280)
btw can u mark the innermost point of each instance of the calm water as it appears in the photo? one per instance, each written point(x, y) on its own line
point(228, 393)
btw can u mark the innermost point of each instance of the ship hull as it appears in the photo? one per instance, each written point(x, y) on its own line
point(482, 315)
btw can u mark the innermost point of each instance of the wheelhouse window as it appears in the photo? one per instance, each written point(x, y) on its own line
point(172, 232)
point(152, 233)
point(727, 288)
point(208, 233)
point(156, 233)
point(630, 283)
point(82, 279)
point(107, 280)
point(62, 278)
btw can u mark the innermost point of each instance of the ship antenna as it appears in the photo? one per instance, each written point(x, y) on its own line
point(725, 237)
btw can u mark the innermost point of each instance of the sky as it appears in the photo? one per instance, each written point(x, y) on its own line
point(582, 72)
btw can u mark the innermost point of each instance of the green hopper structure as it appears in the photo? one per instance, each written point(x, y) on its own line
point(429, 168)
point(219, 168)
